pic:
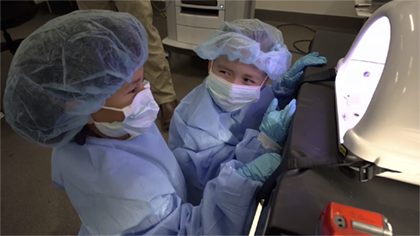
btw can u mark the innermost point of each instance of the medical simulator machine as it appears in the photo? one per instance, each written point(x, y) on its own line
point(377, 94)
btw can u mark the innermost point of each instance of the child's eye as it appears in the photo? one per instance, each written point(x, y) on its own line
point(224, 72)
point(249, 81)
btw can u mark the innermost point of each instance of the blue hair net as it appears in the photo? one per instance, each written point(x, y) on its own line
point(252, 42)
point(64, 71)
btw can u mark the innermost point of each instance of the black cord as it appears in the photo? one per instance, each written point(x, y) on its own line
point(160, 9)
point(299, 51)
point(300, 41)
point(290, 24)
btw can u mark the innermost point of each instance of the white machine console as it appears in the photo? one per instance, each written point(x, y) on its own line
point(377, 92)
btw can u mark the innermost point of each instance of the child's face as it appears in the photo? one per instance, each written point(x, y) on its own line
point(236, 72)
point(120, 99)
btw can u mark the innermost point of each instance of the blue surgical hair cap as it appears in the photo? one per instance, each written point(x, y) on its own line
point(251, 42)
point(65, 70)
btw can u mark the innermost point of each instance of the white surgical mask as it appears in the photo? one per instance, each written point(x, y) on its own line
point(231, 97)
point(139, 116)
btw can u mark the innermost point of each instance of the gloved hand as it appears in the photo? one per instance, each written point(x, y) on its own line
point(291, 78)
point(261, 168)
point(275, 123)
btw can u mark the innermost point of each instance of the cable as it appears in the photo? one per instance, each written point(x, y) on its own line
point(161, 9)
point(290, 24)
point(300, 41)
point(299, 51)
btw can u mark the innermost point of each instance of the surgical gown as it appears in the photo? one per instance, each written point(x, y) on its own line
point(136, 187)
point(202, 136)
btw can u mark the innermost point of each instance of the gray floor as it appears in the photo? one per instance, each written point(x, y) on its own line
point(30, 205)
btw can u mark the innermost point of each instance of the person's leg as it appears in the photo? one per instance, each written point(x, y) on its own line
point(98, 5)
point(156, 68)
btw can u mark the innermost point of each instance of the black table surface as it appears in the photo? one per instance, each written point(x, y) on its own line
point(300, 197)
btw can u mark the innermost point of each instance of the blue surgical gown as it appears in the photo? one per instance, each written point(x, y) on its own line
point(202, 136)
point(136, 187)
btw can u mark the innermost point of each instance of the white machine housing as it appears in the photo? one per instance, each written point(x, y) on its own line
point(190, 22)
point(377, 92)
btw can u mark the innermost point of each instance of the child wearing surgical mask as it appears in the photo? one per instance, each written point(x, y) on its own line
point(76, 85)
point(233, 114)
point(118, 118)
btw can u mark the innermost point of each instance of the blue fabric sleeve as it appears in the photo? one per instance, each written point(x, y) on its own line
point(201, 164)
point(226, 209)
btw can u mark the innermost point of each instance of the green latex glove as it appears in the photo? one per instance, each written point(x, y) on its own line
point(276, 123)
point(261, 168)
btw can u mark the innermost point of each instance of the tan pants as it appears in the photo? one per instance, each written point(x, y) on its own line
point(156, 68)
